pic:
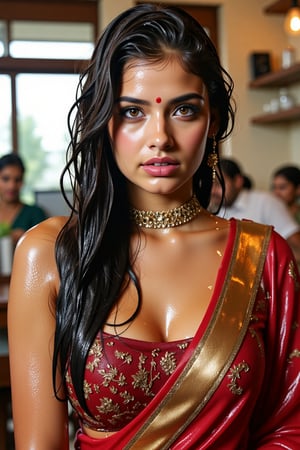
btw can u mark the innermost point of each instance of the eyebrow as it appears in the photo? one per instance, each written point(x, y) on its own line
point(181, 98)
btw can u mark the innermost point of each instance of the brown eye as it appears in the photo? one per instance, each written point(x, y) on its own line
point(186, 111)
point(132, 112)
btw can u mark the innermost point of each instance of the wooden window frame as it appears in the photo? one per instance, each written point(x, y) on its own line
point(42, 10)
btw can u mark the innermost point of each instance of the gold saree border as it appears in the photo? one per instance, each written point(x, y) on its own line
point(214, 354)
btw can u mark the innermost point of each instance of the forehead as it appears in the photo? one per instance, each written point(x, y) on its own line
point(281, 179)
point(159, 77)
point(12, 170)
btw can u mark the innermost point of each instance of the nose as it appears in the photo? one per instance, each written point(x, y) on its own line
point(160, 135)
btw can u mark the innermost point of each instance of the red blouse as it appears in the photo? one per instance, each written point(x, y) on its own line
point(122, 376)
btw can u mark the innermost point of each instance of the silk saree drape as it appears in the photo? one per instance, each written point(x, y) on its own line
point(240, 354)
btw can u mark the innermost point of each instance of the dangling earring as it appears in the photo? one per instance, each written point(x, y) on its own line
point(213, 159)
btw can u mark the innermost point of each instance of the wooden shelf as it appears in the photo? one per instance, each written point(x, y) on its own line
point(278, 7)
point(283, 77)
point(279, 78)
point(288, 115)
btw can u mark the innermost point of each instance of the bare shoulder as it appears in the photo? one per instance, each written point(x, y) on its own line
point(43, 234)
point(34, 256)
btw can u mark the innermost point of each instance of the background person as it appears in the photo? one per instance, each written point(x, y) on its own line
point(286, 186)
point(13, 212)
point(248, 182)
point(129, 298)
point(253, 204)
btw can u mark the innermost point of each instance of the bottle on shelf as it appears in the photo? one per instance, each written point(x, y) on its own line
point(286, 100)
point(288, 57)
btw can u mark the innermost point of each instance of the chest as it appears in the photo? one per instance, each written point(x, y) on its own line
point(176, 285)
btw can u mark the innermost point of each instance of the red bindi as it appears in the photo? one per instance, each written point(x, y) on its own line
point(158, 99)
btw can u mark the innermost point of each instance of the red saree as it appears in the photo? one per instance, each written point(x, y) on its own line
point(238, 384)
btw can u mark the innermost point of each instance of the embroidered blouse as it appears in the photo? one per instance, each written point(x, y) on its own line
point(122, 376)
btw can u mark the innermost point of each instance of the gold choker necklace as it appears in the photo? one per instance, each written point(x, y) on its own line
point(167, 219)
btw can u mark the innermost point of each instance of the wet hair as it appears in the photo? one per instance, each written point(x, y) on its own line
point(290, 173)
point(92, 251)
point(11, 159)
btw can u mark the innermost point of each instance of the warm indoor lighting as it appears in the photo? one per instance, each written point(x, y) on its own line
point(292, 20)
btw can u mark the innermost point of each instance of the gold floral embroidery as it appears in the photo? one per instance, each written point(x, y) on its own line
point(127, 397)
point(108, 406)
point(155, 352)
point(87, 389)
point(144, 379)
point(168, 363)
point(182, 346)
point(293, 274)
point(111, 376)
point(126, 357)
point(291, 270)
point(97, 352)
point(109, 390)
point(96, 349)
point(234, 375)
point(294, 354)
point(255, 336)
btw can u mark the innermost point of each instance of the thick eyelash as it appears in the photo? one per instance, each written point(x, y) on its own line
point(123, 112)
point(193, 108)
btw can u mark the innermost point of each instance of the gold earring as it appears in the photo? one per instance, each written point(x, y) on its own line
point(213, 158)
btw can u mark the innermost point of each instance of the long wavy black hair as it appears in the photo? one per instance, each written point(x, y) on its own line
point(92, 250)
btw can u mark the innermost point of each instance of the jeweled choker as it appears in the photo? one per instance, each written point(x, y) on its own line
point(167, 219)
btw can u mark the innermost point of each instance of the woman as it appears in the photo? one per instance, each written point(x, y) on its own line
point(286, 185)
point(16, 215)
point(162, 324)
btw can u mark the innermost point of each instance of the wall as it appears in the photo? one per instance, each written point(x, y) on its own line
point(244, 29)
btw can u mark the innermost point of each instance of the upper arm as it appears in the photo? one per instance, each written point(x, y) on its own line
point(277, 417)
point(40, 420)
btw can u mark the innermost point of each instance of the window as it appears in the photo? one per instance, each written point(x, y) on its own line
point(5, 114)
point(43, 103)
point(43, 46)
point(51, 40)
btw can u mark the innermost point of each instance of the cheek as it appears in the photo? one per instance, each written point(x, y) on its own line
point(195, 142)
point(126, 146)
point(290, 194)
point(127, 139)
point(121, 141)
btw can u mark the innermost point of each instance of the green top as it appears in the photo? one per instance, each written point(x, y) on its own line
point(28, 216)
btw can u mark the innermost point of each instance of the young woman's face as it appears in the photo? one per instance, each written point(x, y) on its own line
point(159, 127)
point(284, 189)
point(11, 181)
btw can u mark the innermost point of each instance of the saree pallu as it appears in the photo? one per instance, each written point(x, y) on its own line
point(241, 396)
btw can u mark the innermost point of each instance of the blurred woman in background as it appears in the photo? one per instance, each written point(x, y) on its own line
point(286, 185)
point(15, 216)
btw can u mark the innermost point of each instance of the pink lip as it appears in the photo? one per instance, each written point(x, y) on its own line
point(160, 167)
point(163, 160)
